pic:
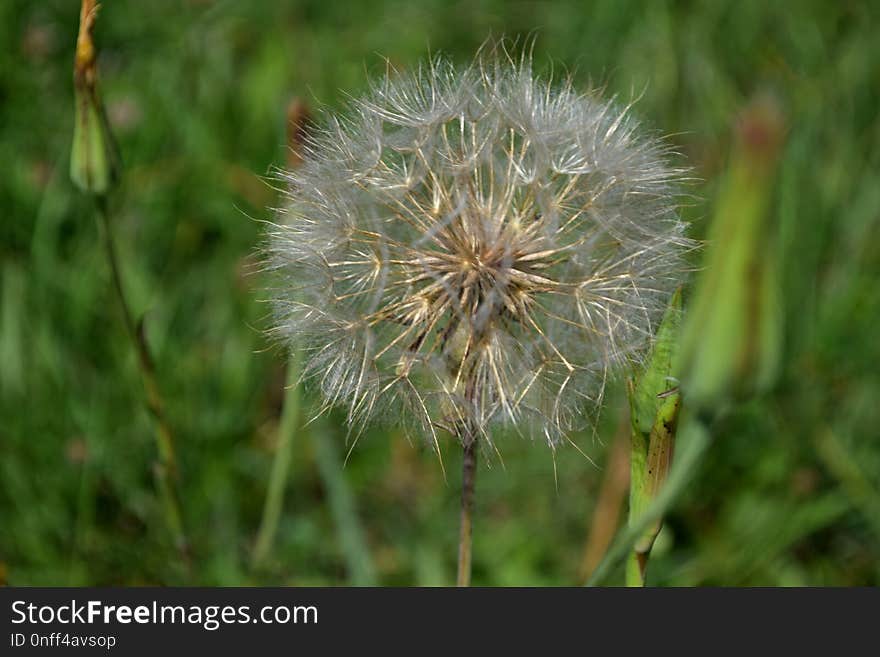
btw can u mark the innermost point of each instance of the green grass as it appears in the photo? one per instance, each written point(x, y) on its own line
point(790, 492)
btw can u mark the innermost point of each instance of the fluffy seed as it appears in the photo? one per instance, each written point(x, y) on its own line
point(467, 247)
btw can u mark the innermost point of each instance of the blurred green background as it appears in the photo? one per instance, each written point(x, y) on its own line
point(197, 92)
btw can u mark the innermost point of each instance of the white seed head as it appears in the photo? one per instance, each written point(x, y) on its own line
point(467, 247)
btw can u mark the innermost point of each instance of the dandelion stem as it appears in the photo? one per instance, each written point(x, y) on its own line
point(165, 468)
point(468, 475)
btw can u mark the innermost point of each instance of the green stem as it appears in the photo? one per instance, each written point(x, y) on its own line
point(636, 566)
point(693, 438)
point(650, 461)
point(342, 506)
point(274, 502)
point(638, 501)
point(165, 468)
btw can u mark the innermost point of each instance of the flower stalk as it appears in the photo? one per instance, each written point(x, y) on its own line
point(95, 169)
point(465, 536)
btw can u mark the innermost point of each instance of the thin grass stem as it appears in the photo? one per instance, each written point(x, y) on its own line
point(165, 468)
point(352, 537)
point(273, 505)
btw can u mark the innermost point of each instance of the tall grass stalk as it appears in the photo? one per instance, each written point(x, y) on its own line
point(95, 168)
point(165, 469)
point(287, 429)
point(359, 562)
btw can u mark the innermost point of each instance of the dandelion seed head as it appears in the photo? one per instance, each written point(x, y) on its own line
point(475, 246)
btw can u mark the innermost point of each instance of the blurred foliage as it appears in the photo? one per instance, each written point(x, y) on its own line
point(196, 92)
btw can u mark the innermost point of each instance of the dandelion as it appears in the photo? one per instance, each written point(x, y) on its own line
point(474, 247)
